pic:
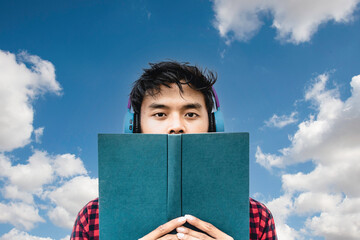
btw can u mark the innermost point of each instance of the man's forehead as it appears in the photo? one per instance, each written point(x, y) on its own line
point(170, 96)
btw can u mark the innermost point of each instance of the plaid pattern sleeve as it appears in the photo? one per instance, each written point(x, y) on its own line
point(86, 225)
point(262, 225)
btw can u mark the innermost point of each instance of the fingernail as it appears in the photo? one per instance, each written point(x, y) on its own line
point(180, 235)
point(182, 219)
point(180, 229)
point(189, 217)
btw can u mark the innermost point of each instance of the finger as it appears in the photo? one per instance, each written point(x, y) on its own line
point(188, 237)
point(169, 237)
point(165, 228)
point(192, 233)
point(205, 226)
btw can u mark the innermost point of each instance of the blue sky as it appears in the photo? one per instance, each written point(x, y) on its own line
point(288, 73)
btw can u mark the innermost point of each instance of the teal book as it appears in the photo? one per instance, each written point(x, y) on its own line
point(145, 180)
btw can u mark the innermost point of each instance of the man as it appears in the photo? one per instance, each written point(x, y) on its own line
point(175, 98)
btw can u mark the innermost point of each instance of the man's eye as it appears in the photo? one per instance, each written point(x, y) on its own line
point(192, 115)
point(159, 114)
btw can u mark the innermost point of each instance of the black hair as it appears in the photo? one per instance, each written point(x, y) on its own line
point(168, 72)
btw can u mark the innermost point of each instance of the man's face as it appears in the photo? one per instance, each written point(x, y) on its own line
point(171, 112)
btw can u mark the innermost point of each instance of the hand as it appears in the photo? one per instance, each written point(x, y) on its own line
point(189, 234)
point(159, 233)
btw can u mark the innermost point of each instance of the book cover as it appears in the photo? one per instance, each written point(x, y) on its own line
point(146, 180)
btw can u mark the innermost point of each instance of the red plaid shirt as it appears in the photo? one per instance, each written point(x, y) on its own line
point(86, 226)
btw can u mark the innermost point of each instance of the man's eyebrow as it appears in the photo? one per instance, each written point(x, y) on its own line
point(192, 106)
point(156, 106)
point(187, 106)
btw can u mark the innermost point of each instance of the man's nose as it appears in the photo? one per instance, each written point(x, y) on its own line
point(176, 125)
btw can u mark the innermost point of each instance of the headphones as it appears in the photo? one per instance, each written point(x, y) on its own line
point(216, 119)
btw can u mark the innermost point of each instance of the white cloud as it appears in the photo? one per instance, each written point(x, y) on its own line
point(341, 222)
point(38, 169)
point(281, 121)
point(15, 234)
point(40, 177)
point(70, 198)
point(56, 184)
point(41, 168)
point(268, 160)
point(240, 17)
point(294, 21)
point(67, 165)
point(338, 177)
point(20, 215)
point(328, 195)
point(333, 133)
point(13, 192)
point(297, 21)
point(38, 133)
point(304, 203)
point(60, 217)
point(281, 208)
point(284, 231)
point(19, 86)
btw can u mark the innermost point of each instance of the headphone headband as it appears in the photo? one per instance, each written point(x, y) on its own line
point(217, 103)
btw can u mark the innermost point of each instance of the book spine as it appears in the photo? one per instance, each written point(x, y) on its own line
point(174, 176)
